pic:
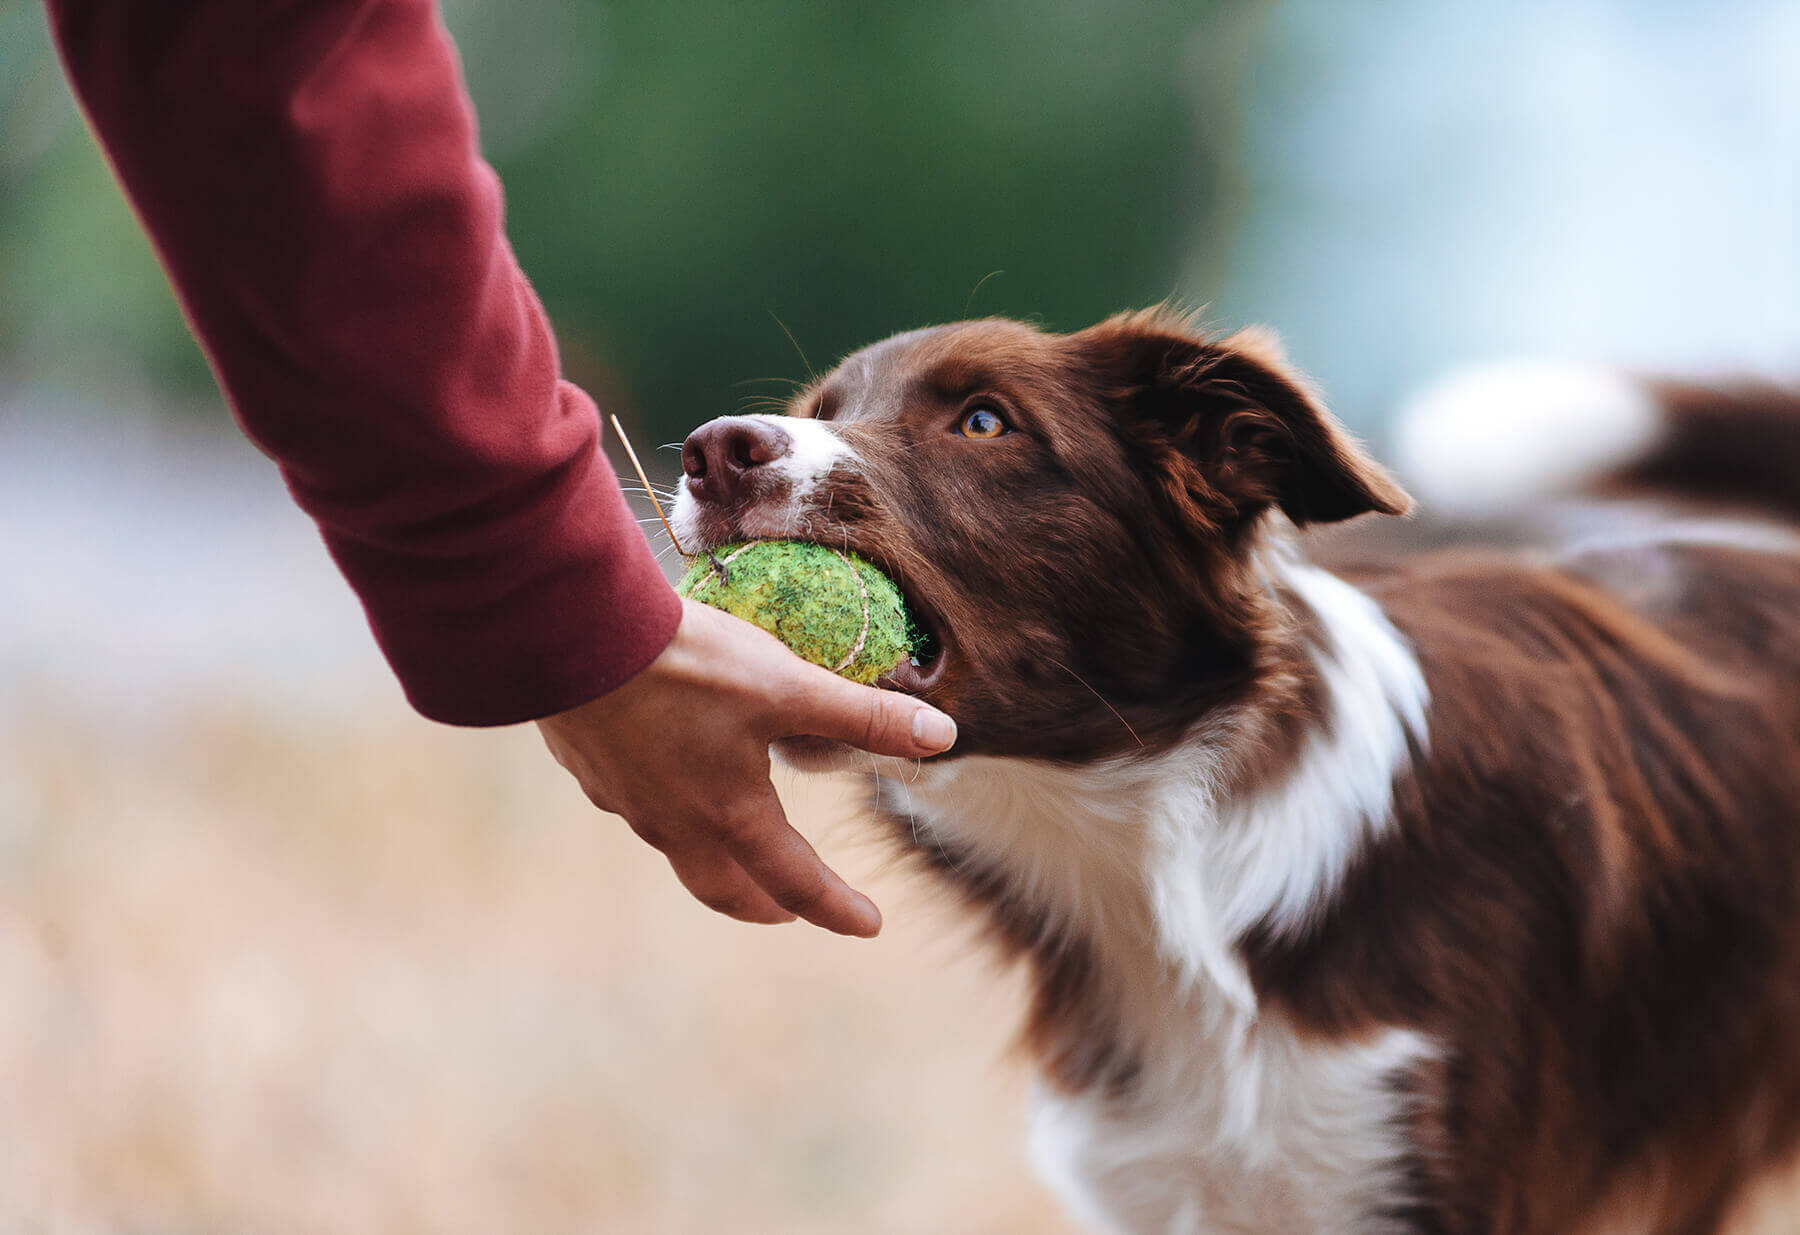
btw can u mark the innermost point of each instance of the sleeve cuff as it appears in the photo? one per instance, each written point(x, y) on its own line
point(569, 607)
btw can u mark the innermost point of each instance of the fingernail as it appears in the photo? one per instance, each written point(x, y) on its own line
point(870, 926)
point(933, 730)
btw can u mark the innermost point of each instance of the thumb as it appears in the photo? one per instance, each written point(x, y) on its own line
point(882, 722)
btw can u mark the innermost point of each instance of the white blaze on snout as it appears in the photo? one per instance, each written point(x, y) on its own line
point(814, 452)
point(817, 450)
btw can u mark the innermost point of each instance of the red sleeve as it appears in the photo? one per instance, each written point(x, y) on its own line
point(308, 172)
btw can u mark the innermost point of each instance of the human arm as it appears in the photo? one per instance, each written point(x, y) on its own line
point(308, 172)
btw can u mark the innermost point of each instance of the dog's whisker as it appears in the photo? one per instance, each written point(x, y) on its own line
point(784, 381)
point(810, 372)
point(1102, 698)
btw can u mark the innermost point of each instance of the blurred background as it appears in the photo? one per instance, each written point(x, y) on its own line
point(277, 955)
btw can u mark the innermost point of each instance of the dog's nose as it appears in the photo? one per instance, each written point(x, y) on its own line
point(720, 454)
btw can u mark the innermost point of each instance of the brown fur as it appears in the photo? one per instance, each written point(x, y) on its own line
point(1737, 444)
point(1591, 898)
point(1593, 893)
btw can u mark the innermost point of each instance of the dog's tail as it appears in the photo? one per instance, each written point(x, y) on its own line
point(1495, 441)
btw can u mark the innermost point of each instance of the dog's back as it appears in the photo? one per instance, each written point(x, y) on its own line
point(1449, 890)
point(1615, 761)
point(1589, 901)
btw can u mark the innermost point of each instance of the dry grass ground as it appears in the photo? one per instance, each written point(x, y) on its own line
point(260, 976)
point(397, 978)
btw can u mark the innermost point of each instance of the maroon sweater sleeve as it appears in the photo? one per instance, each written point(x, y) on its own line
point(307, 170)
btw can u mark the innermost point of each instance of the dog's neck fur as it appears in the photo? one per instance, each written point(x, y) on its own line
point(1162, 862)
point(1130, 884)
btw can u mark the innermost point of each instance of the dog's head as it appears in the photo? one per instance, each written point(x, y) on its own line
point(1075, 518)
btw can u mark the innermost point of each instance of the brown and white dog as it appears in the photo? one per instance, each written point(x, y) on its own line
point(1455, 893)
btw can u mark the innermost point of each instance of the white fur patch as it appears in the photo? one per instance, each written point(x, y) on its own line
point(817, 450)
point(1275, 856)
point(1273, 1133)
point(1493, 439)
point(1237, 1123)
point(1071, 841)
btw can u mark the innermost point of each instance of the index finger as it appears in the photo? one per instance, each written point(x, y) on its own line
point(882, 722)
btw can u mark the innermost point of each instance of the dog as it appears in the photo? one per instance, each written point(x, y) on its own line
point(1451, 892)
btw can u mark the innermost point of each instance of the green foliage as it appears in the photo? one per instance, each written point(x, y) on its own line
point(680, 176)
point(82, 299)
point(851, 170)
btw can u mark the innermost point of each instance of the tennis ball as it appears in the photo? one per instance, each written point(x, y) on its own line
point(829, 606)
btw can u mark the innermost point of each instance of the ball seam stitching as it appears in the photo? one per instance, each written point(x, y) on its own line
point(862, 636)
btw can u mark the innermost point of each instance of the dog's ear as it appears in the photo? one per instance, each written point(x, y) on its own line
point(1228, 427)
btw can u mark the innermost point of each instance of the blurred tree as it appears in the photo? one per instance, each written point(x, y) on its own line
point(83, 303)
point(679, 176)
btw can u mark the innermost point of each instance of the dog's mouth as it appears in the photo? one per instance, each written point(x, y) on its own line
point(924, 667)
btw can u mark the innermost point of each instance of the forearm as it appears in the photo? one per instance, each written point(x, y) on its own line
point(309, 174)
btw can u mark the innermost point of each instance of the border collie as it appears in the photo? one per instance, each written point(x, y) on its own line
point(1456, 892)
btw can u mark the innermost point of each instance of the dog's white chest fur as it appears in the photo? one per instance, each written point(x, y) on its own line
point(1234, 1121)
point(1265, 1132)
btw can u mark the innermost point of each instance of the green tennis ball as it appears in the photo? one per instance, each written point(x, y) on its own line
point(829, 606)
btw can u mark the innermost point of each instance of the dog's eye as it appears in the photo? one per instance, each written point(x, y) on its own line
point(982, 422)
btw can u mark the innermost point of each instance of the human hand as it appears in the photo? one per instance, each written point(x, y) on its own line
point(682, 753)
